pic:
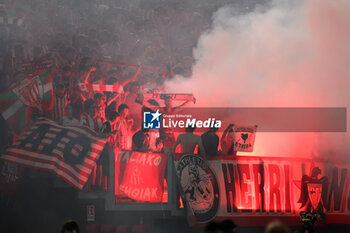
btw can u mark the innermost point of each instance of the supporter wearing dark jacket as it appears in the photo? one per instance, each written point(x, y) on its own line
point(210, 142)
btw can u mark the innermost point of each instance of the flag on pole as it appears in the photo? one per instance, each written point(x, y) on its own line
point(69, 152)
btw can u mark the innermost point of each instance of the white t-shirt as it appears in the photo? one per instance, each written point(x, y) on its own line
point(69, 121)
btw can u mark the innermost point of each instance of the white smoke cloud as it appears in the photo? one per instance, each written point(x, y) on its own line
point(286, 54)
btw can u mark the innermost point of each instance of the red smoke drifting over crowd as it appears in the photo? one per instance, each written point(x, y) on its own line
point(287, 54)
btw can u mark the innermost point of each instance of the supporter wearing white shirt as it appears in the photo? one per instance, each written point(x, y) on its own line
point(68, 119)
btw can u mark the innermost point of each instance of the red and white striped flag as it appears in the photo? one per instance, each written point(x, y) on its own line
point(69, 152)
point(58, 108)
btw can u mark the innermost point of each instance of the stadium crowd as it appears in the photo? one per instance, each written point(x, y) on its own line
point(85, 48)
point(130, 45)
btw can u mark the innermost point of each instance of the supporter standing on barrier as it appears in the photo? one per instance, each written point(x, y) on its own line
point(210, 141)
point(189, 141)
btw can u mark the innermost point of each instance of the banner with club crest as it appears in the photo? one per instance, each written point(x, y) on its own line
point(254, 190)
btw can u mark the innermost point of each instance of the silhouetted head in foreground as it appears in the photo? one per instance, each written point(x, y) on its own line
point(276, 227)
point(226, 226)
point(70, 226)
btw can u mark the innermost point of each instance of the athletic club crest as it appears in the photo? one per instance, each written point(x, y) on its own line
point(30, 91)
point(313, 191)
point(199, 186)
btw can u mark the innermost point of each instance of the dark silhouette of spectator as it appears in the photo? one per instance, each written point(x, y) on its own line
point(210, 142)
point(189, 141)
point(228, 226)
point(211, 227)
point(70, 226)
point(276, 227)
